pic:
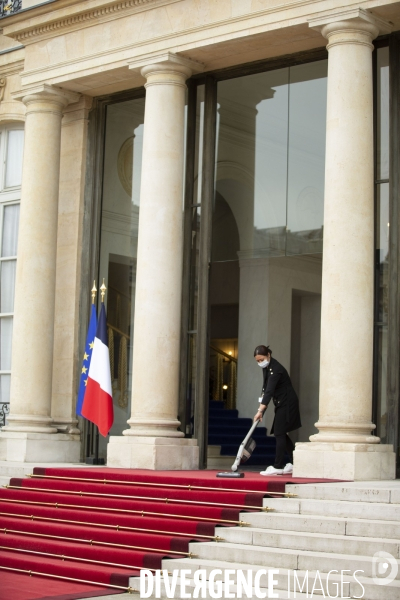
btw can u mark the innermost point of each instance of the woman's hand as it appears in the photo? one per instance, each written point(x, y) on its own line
point(258, 416)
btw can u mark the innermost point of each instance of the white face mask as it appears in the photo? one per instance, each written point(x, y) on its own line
point(263, 364)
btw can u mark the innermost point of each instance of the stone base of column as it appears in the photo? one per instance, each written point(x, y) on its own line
point(158, 453)
point(40, 447)
point(353, 462)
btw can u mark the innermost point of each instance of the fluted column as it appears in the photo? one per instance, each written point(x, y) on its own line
point(33, 329)
point(153, 434)
point(345, 405)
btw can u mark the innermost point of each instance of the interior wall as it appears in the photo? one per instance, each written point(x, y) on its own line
point(304, 367)
point(265, 317)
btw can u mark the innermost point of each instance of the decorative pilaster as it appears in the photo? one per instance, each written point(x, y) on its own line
point(345, 447)
point(153, 439)
point(70, 269)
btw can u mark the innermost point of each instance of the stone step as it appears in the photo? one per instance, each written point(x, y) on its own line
point(23, 469)
point(216, 461)
point(284, 558)
point(350, 587)
point(194, 564)
point(134, 583)
point(327, 508)
point(373, 591)
point(213, 451)
point(295, 540)
point(322, 524)
point(318, 586)
point(376, 492)
point(15, 469)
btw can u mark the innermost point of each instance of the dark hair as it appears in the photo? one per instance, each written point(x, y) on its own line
point(262, 350)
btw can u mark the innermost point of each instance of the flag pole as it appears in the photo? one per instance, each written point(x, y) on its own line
point(97, 460)
point(90, 459)
point(88, 434)
point(97, 405)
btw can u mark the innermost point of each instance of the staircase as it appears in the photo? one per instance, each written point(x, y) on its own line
point(99, 526)
point(326, 527)
point(226, 430)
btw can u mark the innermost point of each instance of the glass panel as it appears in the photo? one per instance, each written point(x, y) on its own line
point(6, 324)
point(118, 249)
point(10, 230)
point(4, 398)
point(191, 385)
point(7, 286)
point(382, 297)
point(306, 164)
point(198, 157)
point(251, 170)
point(194, 268)
point(5, 381)
point(382, 113)
point(15, 149)
point(382, 238)
point(382, 344)
point(268, 213)
point(188, 423)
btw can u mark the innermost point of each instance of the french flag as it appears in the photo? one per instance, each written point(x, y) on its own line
point(97, 403)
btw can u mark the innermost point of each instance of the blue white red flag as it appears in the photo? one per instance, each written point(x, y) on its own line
point(86, 360)
point(98, 404)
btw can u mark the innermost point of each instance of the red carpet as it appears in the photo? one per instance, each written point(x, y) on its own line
point(22, 587)
point(100, 525)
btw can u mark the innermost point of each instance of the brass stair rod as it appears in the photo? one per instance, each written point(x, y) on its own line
point(129, 590)
point(128, 511)
point(169, 485)
point(94, 542)
point(117, 527)
point(148, 499)
point(77, 558)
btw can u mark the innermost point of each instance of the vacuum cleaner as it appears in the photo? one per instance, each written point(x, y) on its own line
point(246, 449)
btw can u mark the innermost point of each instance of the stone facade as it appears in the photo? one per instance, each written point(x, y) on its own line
point(56, 58)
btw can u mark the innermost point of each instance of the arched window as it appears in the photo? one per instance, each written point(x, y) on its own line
point(11, 152)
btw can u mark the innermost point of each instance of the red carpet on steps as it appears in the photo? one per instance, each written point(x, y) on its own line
point(101, 525)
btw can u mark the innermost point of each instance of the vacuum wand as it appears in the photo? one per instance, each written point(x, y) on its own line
point(245, 451)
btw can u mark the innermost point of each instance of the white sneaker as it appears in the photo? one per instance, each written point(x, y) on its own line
point(288, 469)
point(272, 471)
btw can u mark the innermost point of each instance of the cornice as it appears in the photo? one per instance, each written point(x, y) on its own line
point(354, 14)
point(12, 68)
point(30, 27)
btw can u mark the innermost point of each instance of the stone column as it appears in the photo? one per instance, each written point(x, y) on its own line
point(153, 439)
point(345, 447)
point(30, 434)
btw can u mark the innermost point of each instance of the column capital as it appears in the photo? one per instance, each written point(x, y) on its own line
point(353, 25)
point(46, 93)
point(157, 68)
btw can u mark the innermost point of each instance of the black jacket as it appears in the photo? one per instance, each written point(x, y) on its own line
point(277, 386)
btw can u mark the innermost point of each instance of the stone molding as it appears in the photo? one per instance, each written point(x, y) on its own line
point(100, 11)
point(46, 93)
point(168, 62)
point(259, 21)
point(356, 16)
point(12, 112)
point(77, 111)
point(12, 68)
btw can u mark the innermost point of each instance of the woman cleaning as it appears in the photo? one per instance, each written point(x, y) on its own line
point(278, 387)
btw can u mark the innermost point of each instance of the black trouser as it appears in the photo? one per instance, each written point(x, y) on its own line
point(283, 443)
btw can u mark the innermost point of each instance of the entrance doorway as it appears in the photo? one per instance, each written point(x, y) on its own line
point(258, 241)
